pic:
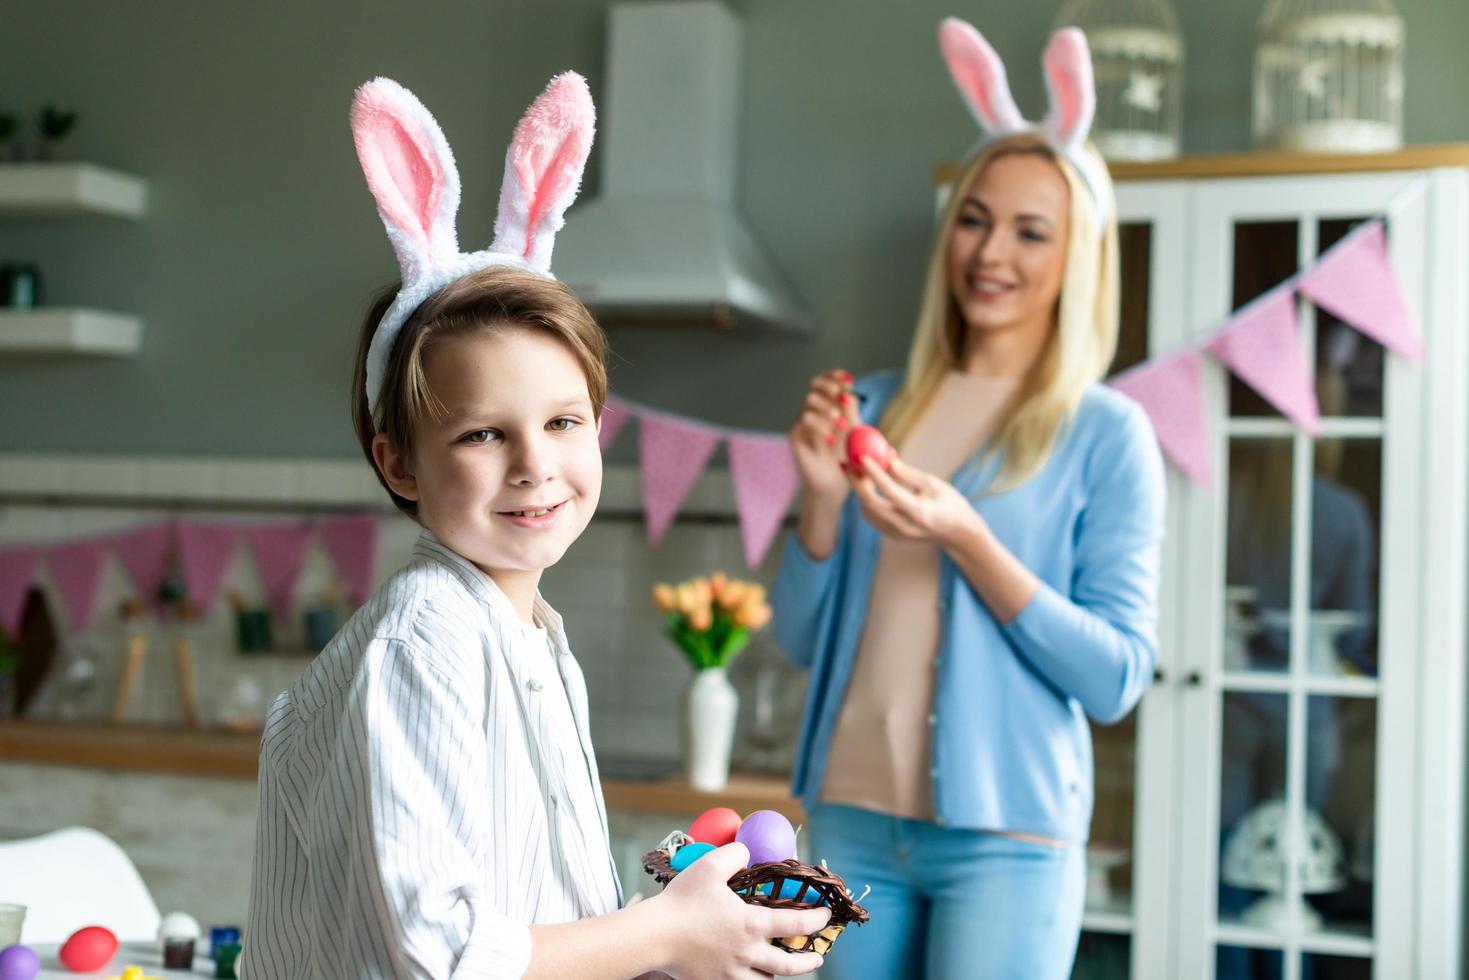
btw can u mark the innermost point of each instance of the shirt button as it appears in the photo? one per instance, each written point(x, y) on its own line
point(933, 719)
point(535, 685)
point(934, 772)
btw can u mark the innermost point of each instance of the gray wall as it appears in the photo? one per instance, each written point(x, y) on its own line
point(253, 265)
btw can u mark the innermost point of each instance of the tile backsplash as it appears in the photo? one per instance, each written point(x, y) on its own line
point(634, 674)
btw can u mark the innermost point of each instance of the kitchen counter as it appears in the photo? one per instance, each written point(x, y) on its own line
point(218, 753)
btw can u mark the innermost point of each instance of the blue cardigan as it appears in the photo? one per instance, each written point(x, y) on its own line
point(1011, 749)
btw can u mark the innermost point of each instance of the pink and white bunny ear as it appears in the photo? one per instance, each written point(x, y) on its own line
point(410, 171)
point(543, 169)
point(1068, 67)
point(979, 74)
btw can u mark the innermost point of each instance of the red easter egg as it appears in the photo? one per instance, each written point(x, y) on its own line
point(717, 826)
point(88, 949)
point(867, 440)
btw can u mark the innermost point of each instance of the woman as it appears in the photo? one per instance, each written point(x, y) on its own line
point(965, 611)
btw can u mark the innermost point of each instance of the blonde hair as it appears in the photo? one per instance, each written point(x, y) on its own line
point(494, 298)
point(1079, 349)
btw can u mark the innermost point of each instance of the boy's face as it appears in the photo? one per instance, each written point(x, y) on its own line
point(511, 474)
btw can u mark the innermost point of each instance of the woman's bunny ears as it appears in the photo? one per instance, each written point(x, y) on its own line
point(410, 171)
point(979, 74)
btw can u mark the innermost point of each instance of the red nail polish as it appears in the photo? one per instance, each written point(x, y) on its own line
point(831, 440)
point(846, 398)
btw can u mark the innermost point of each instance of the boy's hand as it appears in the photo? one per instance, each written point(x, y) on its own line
point(713, 933)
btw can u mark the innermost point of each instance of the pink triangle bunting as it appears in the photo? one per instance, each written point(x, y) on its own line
point(1261, 346)
point(765, 482)
point(205, 550)
point(17, 573)
point(1168, 390)
point(351, 543)
point(279, 551)
point(615, 416)
point(145, 553)
point(1354, 280)
point(673, 453)
point(76, 569)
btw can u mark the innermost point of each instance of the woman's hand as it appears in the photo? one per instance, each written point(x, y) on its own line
point(911, 505)
point(819, 435)
point(713, 933)
point(906, 503)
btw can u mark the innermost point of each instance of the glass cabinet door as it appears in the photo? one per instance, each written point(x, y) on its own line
point(1287, 814)
point(1105, 950)
point(1296, 676)
point(1127, 918)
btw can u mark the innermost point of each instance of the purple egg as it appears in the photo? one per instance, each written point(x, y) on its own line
point(768, 835)
point(18, 963)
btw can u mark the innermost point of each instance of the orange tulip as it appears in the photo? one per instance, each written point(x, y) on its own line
point(701, 620)
point(734, 593)
point(685, 599)
point(702, 593)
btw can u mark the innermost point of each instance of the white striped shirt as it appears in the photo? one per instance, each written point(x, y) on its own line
point(427, 790)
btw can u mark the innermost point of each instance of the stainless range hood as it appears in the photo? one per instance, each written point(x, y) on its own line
point(662, 243)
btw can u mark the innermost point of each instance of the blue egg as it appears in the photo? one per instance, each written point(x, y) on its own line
point(688, 854)
point(790, 888)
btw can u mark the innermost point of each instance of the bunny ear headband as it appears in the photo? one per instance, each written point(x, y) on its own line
point(412, 176)
point(979, 74)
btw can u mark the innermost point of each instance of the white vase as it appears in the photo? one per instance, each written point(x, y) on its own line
point(707, 713)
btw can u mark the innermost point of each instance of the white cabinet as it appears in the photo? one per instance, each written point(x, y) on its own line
point(1310, 699)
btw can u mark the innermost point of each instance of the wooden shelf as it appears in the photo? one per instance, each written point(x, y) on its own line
point(1274, 163)
point(231, 755)
point(70, 332)
point(744, 794)
point(132, 748)
point(63, 190)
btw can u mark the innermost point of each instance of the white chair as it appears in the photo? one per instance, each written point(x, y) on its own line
point(72, 878)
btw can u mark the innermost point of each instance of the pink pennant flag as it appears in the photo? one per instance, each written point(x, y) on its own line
point(615, 415)
point(17, 572)
point(76, 568)
point(1261, 346)
point(1168, 390)
point(205, 550)
point(674, 452)
point(145, 552)
point(351, 542)
point(1355, 281)
point(765, 482)
point(279, 551)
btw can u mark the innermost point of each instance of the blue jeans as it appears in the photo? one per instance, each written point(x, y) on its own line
point(949, 903)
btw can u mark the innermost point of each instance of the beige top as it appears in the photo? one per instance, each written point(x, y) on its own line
point(879, 756)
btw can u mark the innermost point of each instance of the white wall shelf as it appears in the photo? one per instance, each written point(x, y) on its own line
point(64, 332)
point(66, 189)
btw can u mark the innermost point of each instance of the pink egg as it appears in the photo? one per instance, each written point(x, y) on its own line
point(18, 963)
point(88, 949)
point(768, 835)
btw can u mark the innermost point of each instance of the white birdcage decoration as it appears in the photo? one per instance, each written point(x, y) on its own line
point(1329, 76)
point(1137, 61)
